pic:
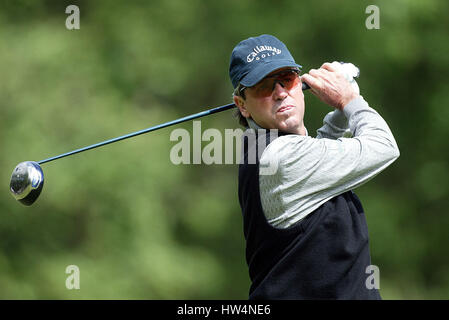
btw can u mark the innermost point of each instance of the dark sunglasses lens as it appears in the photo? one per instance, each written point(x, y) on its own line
point(265, 88)
point(288, 79)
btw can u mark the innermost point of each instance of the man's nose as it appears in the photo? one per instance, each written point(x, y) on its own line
point(279, 90)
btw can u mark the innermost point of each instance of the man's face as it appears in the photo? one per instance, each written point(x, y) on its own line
point(283, 109)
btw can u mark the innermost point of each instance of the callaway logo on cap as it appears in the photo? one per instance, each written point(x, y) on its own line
point(256, 57)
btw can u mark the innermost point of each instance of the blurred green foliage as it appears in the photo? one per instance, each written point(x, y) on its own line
point(139, 227)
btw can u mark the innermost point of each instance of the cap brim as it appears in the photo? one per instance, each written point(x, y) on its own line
point(265, 69)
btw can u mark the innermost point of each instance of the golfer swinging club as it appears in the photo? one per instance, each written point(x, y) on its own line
point(305, 229)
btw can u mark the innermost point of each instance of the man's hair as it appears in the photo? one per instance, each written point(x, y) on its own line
point(242, 120)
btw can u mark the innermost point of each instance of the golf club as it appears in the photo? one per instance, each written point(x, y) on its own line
point(27, 179)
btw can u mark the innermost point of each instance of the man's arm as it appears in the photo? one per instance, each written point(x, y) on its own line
point(335, 125)
point(312, 171)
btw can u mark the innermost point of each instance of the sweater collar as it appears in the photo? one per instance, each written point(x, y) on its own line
point(253, 125)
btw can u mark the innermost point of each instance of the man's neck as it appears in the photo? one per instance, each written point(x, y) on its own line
point(253, 125)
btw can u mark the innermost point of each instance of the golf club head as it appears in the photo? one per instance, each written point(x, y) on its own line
point(27, 181)
point(351, 72)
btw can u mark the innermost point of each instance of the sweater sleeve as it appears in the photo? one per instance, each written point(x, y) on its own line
point(311, 171)
point(335, 125)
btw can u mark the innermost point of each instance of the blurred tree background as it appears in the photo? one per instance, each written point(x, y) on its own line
point(140, 227)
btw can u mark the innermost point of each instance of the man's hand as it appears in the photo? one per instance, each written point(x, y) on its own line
point(330, 85)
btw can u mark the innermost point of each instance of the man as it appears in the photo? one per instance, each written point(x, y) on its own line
point(305, 230)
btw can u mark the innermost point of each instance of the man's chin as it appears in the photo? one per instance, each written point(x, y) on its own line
point(289, 126)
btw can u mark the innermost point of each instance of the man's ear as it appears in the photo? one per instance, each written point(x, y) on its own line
point(240, 103)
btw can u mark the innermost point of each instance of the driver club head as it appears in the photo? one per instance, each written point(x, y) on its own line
point(27, 181)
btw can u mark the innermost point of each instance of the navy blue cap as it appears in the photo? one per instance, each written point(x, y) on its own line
point(256, 57)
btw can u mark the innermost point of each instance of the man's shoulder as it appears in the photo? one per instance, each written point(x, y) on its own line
point(287, 144)
point(285, 150)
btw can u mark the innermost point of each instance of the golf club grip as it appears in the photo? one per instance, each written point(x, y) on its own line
point(133, 134)
point(349, 69)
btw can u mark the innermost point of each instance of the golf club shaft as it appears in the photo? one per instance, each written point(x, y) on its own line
point(133, 134)
point(305, 86)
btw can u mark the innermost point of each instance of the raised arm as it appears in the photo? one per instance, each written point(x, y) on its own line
point(312, 171)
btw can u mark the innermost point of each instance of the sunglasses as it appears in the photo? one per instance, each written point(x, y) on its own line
point(288, 79)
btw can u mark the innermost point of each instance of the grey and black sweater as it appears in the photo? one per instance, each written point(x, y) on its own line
point(305, 229)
